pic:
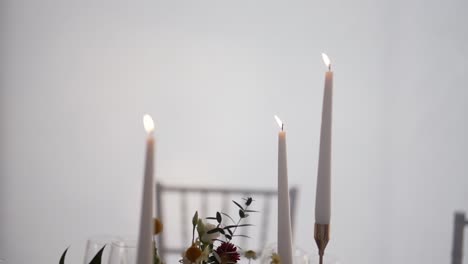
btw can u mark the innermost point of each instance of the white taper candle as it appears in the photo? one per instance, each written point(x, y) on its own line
point(145, 238)
point(284, 214)
point(323, 196)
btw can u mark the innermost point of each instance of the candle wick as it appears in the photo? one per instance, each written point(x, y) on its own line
point(329, 67)
point(282, 127)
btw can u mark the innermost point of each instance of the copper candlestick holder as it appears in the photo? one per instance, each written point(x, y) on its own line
point(321, 236)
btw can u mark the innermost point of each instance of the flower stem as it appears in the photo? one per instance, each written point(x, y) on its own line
point(193, 234)
point(238, 222)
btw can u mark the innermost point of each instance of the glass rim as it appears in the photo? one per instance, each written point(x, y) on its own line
point(124, 243)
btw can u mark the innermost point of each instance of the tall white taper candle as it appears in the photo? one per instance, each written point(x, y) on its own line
point(323, 196)
point(284, 214)
point(145, 238)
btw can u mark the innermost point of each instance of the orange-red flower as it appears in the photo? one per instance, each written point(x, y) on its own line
point(193, 253)
point(158, 226)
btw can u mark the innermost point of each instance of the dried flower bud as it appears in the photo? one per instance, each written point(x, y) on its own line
point(195, 219)
point(158, 226)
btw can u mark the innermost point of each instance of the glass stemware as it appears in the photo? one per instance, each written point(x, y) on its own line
point(123, 251)
point(94, 244)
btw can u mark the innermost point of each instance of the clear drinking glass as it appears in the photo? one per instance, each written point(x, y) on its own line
point(123, 251)
point(299, 256)
point(94, 244)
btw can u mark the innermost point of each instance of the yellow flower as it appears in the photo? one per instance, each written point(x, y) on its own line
point(250, 254)
point(275, 259)
point(158, 226)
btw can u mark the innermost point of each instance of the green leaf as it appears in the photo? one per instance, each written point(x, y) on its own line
point(251, 211)
point(238, 205)
point(156, 259)
point(62, 258)
point(229, 231)
point(228, 236)
point(98, 257)
point(218, 217)
point(233, 226)
point(212, 231)
point(241, 214)
point(195, 219)
point(249, 201)
point(241, 236)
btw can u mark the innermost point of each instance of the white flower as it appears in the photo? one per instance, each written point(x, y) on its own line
point(208, 238)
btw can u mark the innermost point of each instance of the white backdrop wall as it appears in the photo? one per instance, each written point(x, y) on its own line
point(77, 76)
point(426, 110)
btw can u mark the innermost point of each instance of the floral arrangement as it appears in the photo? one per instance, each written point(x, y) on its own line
point(212, 243)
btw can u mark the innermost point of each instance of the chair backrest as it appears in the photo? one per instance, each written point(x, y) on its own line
point(176, 200)
point(460, 222)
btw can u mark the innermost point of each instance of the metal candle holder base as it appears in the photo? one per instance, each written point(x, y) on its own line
point(321, 236)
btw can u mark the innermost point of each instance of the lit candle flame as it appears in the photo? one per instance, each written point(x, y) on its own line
point(326, 60)
point(148, 123)
point(280, 123)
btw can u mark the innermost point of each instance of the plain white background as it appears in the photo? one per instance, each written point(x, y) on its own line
point(77, 76)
